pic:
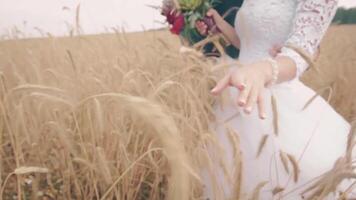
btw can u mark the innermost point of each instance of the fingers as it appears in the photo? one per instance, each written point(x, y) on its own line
point(242, 98)
point(201, 27)
point(221, 85)
point(256, 97)
point(252, 100)
point(231, 79)
point(238, 82)
point(261, 107)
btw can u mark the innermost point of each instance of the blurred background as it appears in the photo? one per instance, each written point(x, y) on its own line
point(57, 17)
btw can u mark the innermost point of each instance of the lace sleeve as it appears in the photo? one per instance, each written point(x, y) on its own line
point(312, 19)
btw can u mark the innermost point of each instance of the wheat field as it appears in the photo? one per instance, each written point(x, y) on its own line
point(123, 116)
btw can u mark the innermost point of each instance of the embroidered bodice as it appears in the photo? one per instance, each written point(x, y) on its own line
point(261, 24)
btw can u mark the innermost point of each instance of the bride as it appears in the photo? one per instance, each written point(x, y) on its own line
point(277, 133)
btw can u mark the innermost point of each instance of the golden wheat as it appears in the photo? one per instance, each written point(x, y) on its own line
point(126, 116)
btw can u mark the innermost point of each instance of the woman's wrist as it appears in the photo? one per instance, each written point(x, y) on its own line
point(216, 16)
point(275, 71)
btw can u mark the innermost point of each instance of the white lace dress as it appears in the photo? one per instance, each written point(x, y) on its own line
point(316, 137)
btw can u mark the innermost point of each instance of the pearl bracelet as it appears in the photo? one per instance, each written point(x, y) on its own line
point(275, 71)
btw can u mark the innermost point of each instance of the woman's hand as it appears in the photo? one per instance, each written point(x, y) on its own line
point(251, 80)
point(202, 27)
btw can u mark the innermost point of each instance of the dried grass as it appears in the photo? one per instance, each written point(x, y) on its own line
point(126, 116)
point(107, 122)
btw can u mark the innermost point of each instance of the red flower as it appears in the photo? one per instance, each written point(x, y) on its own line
point(175, 19)
point(171, 16)
point(178, 24)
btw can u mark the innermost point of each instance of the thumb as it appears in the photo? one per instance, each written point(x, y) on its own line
point(210, 13)
point(221, 85)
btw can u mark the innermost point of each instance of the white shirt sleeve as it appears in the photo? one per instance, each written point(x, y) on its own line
point(312, 19)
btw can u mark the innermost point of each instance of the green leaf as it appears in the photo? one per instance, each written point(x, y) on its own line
point(193, 18)
point(192, 15)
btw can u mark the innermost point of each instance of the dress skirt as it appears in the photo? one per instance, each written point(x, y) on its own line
point(295, 145)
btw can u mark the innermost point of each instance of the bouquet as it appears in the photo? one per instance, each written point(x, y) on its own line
point(183, 14)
